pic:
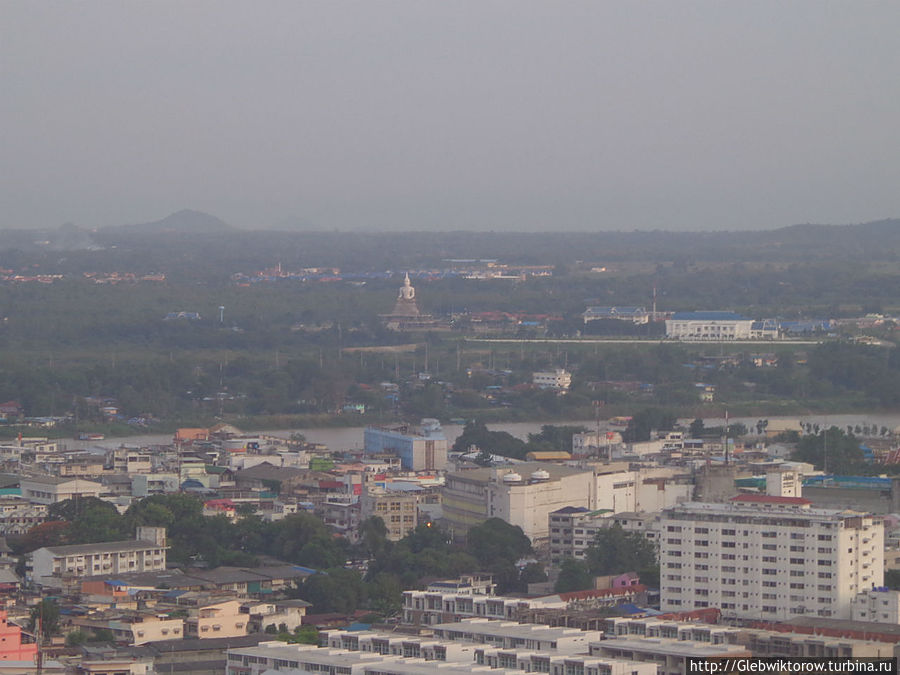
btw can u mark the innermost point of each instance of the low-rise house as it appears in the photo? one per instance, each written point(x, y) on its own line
point(133, 627)
point(216, 620)
point(287, 614)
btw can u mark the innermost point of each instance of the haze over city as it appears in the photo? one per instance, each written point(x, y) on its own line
point(436, 116)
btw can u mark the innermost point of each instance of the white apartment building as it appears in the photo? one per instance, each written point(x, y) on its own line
point(55, 566)
point(759, 642)
point(574, 529)
point(434, 606)
point(877, 604)
point(18, 515)
point(560, 379)
point(764, 557)
point(495, 647)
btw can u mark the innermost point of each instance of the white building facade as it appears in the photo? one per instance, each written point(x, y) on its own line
point(708, 326)
point(55, 566)
point(559, 379)
point(764, 557)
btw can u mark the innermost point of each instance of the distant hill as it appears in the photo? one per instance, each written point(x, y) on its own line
point(184, 221)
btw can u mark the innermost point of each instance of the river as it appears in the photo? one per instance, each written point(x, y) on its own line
point(349, 438)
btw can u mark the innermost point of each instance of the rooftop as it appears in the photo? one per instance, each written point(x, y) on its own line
point(524, 469)
point(769, 499)
point(512, 629)
point(708, 316)
point(669, 647)
point(103, 547)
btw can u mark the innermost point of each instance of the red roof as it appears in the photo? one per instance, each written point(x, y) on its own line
point(331, 485)
point(768, 499)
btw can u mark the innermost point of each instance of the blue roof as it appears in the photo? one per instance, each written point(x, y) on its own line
point(309, 570)
point(708, 316)
point(629, 608)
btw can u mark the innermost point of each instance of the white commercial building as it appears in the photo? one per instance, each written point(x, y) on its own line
point(764, 557)
point(52, 489)
point(527, 493)
point(708, 326)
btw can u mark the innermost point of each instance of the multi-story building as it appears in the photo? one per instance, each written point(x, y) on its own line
point(765, 557)
point(53, 489)
point(18, 515)
point(399, 510)
point(559, 379)
point(708, 326)
point(420, 449)
point(669, 655)
point(216, 620)
point(524, 496)
point(435, 605)
point(759, 642)
point(12, 645)
point(574, 529)
point(877, 604)
point(134, 627)
point(527, 493)
point(58, 566)
point(635, 315)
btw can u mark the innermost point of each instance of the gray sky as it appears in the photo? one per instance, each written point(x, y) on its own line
point(435, 114)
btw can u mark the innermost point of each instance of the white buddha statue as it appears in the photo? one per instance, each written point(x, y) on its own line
point(407, 292)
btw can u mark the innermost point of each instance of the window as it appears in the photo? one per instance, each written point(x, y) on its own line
point(796, 561)
point(728, 544)
point(728, 533)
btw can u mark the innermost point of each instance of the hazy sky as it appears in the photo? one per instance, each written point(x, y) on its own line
point(451, 114)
